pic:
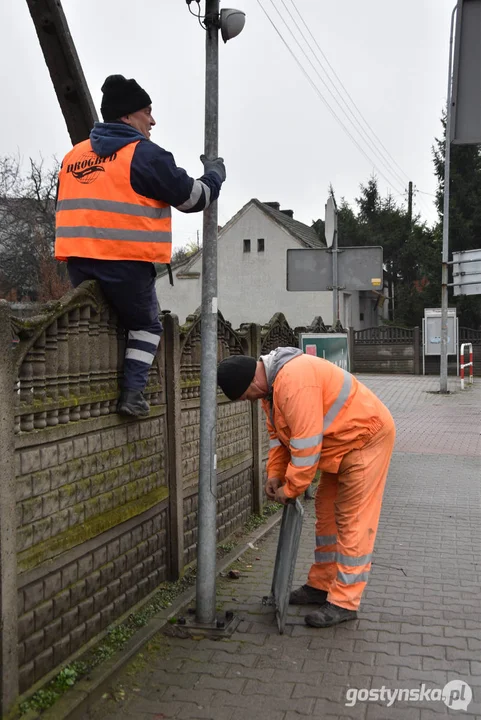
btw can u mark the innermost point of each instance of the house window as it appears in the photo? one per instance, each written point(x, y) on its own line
point(260, 245)
point(247, 246)
point(361, 317)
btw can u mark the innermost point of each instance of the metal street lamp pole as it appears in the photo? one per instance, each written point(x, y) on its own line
point(206, 559)
point(445, 259)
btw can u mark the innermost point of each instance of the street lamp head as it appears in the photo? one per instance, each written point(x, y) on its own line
point(231, 23)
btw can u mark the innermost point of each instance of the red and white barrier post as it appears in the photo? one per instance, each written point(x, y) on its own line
point(469, 364)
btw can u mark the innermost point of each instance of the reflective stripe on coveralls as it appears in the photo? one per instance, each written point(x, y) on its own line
point(141, 346)
point(348, 504)
point(311, 443)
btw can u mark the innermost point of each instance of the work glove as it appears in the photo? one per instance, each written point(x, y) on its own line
point(216, 165)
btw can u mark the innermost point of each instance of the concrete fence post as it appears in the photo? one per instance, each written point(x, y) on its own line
point(8, 549)
point(351, 345)
point(174, 443)
point(417, 350)
point(258, 422)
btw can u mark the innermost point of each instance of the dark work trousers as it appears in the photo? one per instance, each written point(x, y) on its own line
point(129, 287)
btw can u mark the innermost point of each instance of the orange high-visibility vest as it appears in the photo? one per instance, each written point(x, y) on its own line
point(100, 216)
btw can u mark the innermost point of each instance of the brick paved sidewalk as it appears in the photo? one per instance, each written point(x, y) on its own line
point(420, 621)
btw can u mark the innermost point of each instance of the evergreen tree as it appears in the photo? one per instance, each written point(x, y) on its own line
point(464, 213)
point(411, 251)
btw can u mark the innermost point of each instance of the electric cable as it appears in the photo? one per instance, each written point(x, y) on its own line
point(321, 96)
point(348, 94)
point(355, 122)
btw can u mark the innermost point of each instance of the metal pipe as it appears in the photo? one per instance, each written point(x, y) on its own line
point(443, 388)
point(207, 510)
point(335, 281)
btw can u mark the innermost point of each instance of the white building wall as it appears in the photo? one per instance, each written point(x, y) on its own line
point(251, 286)
point(183, 298)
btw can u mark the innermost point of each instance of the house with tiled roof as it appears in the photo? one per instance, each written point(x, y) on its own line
point(252, 271)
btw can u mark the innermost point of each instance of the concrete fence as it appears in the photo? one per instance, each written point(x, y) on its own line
point(96, 510)
point(386, 349)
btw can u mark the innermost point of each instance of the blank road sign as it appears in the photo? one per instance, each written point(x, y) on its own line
point(467, 272)
point(359, 268)
point(466, 108)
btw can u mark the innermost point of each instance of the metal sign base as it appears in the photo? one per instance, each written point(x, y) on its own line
point(286, 556)
point(223, 626)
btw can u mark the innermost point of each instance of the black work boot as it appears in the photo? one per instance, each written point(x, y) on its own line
point(329, 614)
point(307, 595)
point(133, 403)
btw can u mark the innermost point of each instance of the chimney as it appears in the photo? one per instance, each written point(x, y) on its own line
point(274, 205)
point(289, 213)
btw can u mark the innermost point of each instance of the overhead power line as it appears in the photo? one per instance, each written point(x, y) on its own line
point(343, 104)
point(351, 100)
point(319, 93)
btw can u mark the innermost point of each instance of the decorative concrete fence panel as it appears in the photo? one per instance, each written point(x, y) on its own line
point(386, 349)
point(91, 489)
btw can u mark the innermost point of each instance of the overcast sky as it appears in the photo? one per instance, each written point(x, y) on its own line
point(279, 140)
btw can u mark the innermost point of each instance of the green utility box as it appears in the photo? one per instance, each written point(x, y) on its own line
point(330, 346)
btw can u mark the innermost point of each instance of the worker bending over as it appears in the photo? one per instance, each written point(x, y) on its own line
point(320, 417)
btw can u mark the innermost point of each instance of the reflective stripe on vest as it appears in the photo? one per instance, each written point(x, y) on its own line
point(99, 233)
point(91, 224)
point(113, 206)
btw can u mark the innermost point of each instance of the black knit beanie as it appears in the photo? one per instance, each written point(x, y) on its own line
point(235, 374)
point(122, 97)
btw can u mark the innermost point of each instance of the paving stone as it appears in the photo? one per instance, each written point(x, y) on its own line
point(263, 674)
point(230, 685)
point(302, 706)
point(324, 708)
point(283, 689)
point(199, 696)
point(236, 658)
point(386, 672)
point(181, 680)
point(199, 712)
point(380, 712)
point(191, 666)
point(326, 690)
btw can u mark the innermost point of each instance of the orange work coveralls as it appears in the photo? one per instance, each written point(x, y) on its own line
point(320, 417)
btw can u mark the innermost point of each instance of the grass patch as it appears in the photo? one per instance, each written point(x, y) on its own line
point(118, 636)
point(256, 520)
point(115, 640)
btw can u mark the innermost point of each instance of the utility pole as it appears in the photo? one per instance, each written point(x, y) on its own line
point(64, 67)
point(331, 235)
point(443, 385)
point(206, 558)
point(410, 205)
